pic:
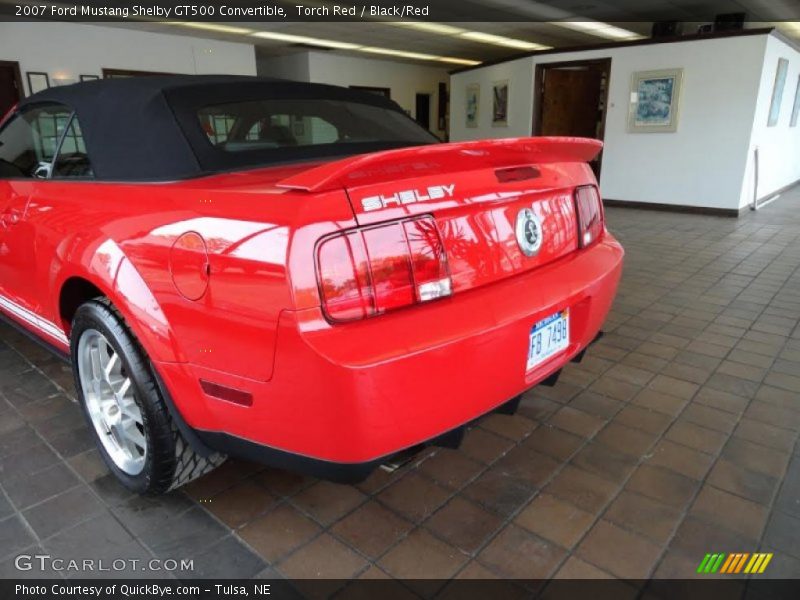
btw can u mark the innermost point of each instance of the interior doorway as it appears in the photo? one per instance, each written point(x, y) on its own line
point(422, 110)
point(10, 85)
point(571, 98)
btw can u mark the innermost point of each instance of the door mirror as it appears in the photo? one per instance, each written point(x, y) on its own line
point(43, 171)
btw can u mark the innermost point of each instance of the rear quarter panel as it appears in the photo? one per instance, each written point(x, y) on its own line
point(120, 236)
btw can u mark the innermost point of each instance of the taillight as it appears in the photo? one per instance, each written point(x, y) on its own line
point(370, 271)
point(590, 215)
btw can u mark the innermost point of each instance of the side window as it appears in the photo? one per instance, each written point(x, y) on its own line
point(28, 141)
point(72, 160)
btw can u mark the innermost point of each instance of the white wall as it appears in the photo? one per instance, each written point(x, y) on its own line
point(405, 80)
point(68, 50)
point(778, 146)
point(701, 164)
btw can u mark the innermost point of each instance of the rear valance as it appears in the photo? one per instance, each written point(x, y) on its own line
point(392, 165)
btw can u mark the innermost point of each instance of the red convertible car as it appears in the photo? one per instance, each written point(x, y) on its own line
point(292, 273)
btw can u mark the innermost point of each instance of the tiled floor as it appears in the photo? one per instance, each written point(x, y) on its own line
point(676, 436)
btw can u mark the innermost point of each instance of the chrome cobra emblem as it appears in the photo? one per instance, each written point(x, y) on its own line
point(529, 232)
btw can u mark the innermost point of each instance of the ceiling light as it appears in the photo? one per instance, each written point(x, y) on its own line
point(459, 61)
point(499, 40)
point(400, 53)
point(216, 27)
point(439, 28)
point(302, 39)
point(600, 29)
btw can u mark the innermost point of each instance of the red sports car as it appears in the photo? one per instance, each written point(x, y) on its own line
point(292, 273)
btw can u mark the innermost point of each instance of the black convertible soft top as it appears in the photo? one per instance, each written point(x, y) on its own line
point(146, 128)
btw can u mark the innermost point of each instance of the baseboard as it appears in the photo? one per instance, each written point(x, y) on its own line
point(776, 192)
point(681, 208)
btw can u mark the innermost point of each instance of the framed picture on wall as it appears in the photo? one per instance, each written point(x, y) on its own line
point(655, 101)
point(37, 81)
point(472, 104)
point(777, 92)
point(500, 104)
point(380, 91)
point(796, 107)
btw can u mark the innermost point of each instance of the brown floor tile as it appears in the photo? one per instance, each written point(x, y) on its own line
point(676, 565)
point(663, 485)
point(422, 556)
point(614, 388)
point(414, 497)
point(327, 501)
point(518, 554)
point(619, 552)
point(500, 491)
point(721, 400)
point(645, 516)
point(766, 435)
point(737, 514)
point(754, 486)
point(475, 570)
point(743, 371)
point(630, 441)
point(555, 520)
point(659, 401)
point(604, 461)
point(554, 442)
point(596, 404)
point(451, 468)
point(683, 460)
point(323, 558)
point(629, 374)
point(695, 537)
point(536, 407)
point(240, 504)
point(576, 421)
point(463, 524)
point(513, 427)
point(710, 418)
point(773, 415)
point(279, 532)
point(581, 488)
point(687, 373)
point(644, 419)
point(371, 529)
point(756, 457)
point(575, 568)
point(484, 446)
point(674, 387)
point(694, 436)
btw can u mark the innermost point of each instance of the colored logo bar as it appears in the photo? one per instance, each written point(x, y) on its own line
point(736, 562)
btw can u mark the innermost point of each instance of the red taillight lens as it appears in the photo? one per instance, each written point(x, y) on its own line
point(377, 269)
point(590, 215)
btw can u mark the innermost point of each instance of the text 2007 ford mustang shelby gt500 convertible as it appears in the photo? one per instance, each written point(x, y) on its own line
point(288, 272)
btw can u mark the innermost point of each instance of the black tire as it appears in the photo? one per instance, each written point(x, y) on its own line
point(170, 461)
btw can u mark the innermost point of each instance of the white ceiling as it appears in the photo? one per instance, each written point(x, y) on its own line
point(519, 19)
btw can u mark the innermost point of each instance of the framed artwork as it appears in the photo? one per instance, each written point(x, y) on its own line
point(37, 81)
point(500, 104)
point(796, 107)
point(89, 77)
point(655, 101)
point(473, 104)
point(777, 92)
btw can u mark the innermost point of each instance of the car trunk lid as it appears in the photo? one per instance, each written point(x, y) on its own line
point(480, 194)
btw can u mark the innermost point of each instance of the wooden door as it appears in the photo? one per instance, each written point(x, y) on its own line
point(571, 102)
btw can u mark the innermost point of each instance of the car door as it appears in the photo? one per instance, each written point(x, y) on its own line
point(28, 143)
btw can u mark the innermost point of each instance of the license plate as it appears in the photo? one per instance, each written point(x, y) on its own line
point(548, 337)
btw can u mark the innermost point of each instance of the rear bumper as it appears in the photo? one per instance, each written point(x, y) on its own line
point(344, 398)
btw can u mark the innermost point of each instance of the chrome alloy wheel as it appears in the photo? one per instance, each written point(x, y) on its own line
point(108, 393)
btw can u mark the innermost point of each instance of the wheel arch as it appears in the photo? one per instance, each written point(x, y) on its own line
point(111, 274)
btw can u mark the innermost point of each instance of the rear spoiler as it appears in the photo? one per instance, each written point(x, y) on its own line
point(418, 161)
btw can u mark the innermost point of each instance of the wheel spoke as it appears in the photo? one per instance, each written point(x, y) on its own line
point(110, 367)
point(96, 363)
point(133, 438)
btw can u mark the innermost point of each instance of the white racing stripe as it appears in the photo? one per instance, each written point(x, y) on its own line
point(47, 327)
